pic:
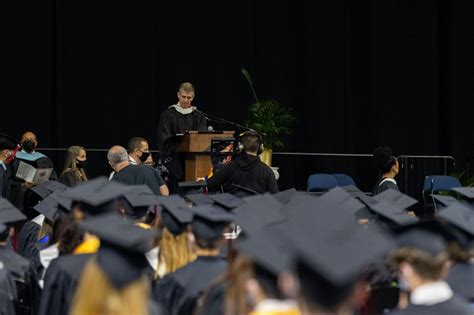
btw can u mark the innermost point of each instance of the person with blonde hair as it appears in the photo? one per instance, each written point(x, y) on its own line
point(114, 281)
point(74, 167)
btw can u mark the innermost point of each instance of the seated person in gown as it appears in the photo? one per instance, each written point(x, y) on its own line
point(177, 119)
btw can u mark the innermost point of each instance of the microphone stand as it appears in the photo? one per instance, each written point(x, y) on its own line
point(223, 121)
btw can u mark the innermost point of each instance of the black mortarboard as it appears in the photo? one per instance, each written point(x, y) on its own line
point(324, 237)
point(396, 198)
point(209, 222)
point(123, 246)
point(62, 199)
point(467, 192)
point(286, 195)
point(226, 200)
point(423, 240)
point(98, 195)
point(459, 215)
point(258, 212)
point(342, 197)
point(3, 228)
point(9, 213)
point(138, 198)
point(393, 213)
point(48, 187)
point(48, 207)
point(200, 199)
point(191, 187)
point(242, 191)
point(175, 213)
point(445, 201)
point(7, 142)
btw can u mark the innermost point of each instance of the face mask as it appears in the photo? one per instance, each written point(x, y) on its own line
point(28, 145)
point(81, 164)
point(144, 156)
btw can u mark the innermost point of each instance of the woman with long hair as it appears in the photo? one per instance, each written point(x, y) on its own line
point(74, 167)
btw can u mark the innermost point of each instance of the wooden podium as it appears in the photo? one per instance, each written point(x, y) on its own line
point(197, 146)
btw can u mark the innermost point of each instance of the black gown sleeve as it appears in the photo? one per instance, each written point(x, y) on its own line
point(219, 178)
point(271, 183)
point(56, 286)
point(7, 293)
point(68, 179)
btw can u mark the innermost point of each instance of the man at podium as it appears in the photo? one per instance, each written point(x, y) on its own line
point(177, 119)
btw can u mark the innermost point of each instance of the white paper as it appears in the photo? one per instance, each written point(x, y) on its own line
point(30, 174)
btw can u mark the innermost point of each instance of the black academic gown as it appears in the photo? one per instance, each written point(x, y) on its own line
point(4, 180)
point(28, 235)
point(140, 175)
point(172, 123)
point(382, 186)
point(213, 301)
point(60, 283)
point(179, 291)
point(461, 280)
point(7, 293)
point(25, 279)
point(455, 305)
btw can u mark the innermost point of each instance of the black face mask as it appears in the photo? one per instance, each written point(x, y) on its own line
point(28, 146)
point(144, 156)
point(81, 164)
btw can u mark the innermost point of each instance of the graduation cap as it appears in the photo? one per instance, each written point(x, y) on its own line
point(393, 213)
point(98, 195)
point(9, 213)
point(258, 212)
point(459, 215)
point(192, 187)
point(467, 192)
point(342, 197)
point(209, 222)
point(137, 200)
point(7, 142)
point(62, 199)
point(242, 191)
point(48, 207)
point(286, 195)
point(396, 198)
point(123, 246)
point(3, 228)
point(48, 187)
point(445, 201)
point(329, 251)
point(226, 200)
point(175, 214)
point(423, 240)
point(200, 199)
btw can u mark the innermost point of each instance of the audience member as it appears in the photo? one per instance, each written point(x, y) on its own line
point(75, 167)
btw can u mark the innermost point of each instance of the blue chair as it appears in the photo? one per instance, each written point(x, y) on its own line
point(321, 182)
point(433, 185)
point(343, 180)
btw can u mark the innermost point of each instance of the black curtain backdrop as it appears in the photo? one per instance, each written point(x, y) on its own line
point(358, 74)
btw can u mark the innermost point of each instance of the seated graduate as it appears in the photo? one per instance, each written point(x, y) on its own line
point(74, 167)
point(114, 281)
point(130, 174)
point(422, 264)
point(388, 168)
point(177, 119)
point(20, 269)
point(77, 246)
point(175, 251)
point(246, 170)
point(7, 147)
point(7, 290)
point(178, 292)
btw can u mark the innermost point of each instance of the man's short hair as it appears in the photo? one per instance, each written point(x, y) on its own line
point(251, 141)
point(117, 154)
point(186, 87)
point(135, 144)
point(427, 267)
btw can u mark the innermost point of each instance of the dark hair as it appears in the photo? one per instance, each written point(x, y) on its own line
point(72, 235)
point(5, 234)
point(384, 159)
point(251, 141)
point(135, 144)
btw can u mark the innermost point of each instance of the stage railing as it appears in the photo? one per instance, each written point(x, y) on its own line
point(295, 167)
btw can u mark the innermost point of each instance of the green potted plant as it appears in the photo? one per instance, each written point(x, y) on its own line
point(271, 119)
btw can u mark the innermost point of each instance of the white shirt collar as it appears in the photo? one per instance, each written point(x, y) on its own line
point(152, 257)
point(431, 293)
point(183, 111)
point(132, 160)
point(388, 179)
